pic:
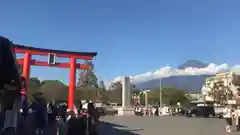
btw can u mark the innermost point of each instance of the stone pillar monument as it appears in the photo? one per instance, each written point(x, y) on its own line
point(126, 92)
point(126, 108)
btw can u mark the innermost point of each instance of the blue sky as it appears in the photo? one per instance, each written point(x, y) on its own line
point(130, 36)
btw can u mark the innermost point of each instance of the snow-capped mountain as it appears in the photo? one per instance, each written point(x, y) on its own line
point(193, 63)
point(189, 76)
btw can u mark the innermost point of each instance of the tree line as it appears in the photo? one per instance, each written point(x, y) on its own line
point(88, 88)
point(56, 90)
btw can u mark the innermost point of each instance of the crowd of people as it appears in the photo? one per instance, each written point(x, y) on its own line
point(147, 111)
point(82, 119)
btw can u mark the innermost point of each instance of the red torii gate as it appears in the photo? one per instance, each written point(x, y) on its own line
point(27, 61)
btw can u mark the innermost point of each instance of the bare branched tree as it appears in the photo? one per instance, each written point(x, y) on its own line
point(236, 82)
point(221, 93)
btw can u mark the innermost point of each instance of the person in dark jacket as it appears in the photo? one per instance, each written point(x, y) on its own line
point(72, 123)
point(62, 112)
point(10, 78)
point(52, 113)
point(93, 111)
point(93, 119)
point(24, 99)
point(157, 111)
point(80, 107)
point(39, 107)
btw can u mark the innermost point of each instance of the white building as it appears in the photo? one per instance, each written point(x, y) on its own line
point(226, 78)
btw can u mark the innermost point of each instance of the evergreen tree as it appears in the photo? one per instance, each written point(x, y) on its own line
point(91, 79)
point(81, 79)
point(102, 93)
point(102, 85)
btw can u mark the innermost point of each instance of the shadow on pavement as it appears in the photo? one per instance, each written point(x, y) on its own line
point(106, 128)
point(28, 127)
point(114, 125)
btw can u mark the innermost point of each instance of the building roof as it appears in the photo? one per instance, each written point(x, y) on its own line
point(219, 76)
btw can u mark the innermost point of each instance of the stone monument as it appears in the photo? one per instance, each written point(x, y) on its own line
point(126, 108)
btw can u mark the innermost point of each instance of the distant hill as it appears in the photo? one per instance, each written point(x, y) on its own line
point(190, 75)
point(191, 83)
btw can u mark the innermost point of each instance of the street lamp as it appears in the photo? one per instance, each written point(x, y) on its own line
point(145, 92)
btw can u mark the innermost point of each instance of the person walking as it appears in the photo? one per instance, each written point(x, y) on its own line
point(72, 123)
point(40, 113)
point(137, 111)
point(228, 117)
point(79, 108)
point(93, 119)
point(51, 115)
point(62, 112)
point(237, 118)
point(24, 100)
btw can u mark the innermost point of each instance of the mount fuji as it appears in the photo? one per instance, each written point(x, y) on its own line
point(189, 76)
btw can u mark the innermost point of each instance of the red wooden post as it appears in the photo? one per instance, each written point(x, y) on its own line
point(72, 83)
point(26, 68)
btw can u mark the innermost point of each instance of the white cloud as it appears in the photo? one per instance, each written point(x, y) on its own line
point(170, 71)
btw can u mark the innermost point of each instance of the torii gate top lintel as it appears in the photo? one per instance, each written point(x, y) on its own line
point(59, 53)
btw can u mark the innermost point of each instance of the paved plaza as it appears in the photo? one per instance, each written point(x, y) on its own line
point(152, 125)
point(165, 125)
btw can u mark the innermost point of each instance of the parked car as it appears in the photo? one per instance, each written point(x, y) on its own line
point(219, 111)
point(101, 110)
point(109, 110)
point(201, 111)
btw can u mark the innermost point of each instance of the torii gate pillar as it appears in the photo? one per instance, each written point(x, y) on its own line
point(72, 83)
point(26, 67)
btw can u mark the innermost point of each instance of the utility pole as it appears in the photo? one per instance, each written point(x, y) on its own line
point(160, 96)
point(145, 92)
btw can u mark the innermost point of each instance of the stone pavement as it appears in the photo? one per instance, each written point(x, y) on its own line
point(28, 127)
point(165, 125)
point(149, 125)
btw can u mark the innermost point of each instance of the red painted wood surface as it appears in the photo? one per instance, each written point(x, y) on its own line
point(65, 55)
point(59, 65)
